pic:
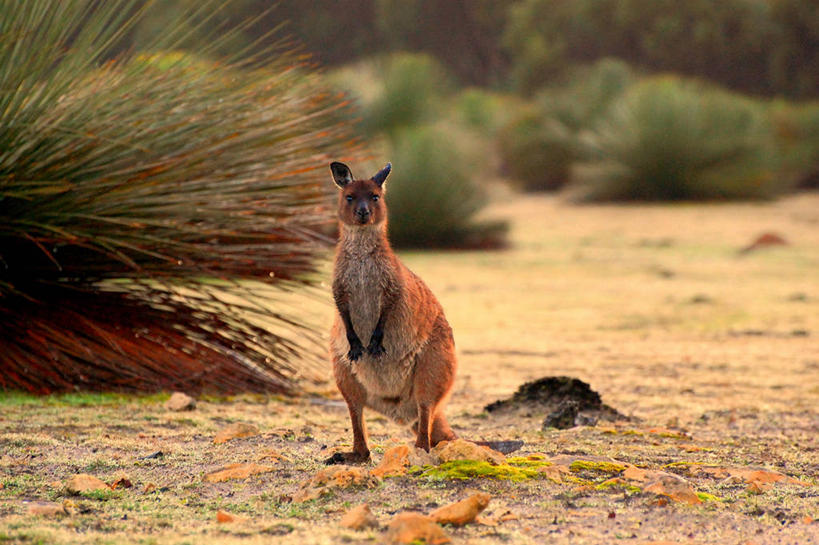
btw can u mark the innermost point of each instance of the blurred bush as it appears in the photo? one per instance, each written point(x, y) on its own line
point(155, 208)
point(540, 142)
point(796, 132)
point(412, 89)
point(480, 110)
point(435, 193)
point(668, 139)
point(537, 150)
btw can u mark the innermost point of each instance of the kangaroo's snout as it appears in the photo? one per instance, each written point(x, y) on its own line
point(362, 213)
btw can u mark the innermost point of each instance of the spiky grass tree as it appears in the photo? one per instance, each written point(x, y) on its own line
point(155, 208)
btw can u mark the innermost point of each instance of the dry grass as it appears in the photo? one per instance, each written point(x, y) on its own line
point(652, 305)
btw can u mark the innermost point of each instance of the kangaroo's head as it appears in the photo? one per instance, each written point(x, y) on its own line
point(360, 202)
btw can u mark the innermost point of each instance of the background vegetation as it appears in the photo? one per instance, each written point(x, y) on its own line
point(546, 72)
point(163, 164)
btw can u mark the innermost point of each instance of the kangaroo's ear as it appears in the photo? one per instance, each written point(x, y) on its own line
point(381, 176)
point(341, 173)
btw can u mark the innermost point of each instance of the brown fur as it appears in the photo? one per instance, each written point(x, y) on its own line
point(405, 364)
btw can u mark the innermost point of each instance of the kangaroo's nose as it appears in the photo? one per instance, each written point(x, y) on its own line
point(363, 214)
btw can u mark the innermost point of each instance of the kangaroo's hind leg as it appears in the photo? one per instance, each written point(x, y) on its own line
point(440, 430)
point(434, 376)
point(355, 396)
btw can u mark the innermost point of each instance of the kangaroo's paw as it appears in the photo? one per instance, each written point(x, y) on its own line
point(376, 349)
point(356, 350)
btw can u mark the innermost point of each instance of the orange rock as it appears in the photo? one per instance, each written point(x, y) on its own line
point(122, 481)
point(509, 515)
point(461, 449)
point(634, 473)
point(461, 512)
point(235, 431)
point(359, 517)
point(84, 483)
point(691, 448)
point(180, 402)
point(750, 475)
point(765, 477)
point(765, 240)
point(271, 455)
point(236, 471)
point(673, 487)
point(408, 527)
point(150, 487)
point(334, 477)
point(556, 474)
point(225, 517)
point(395, 462)
point(666, 432)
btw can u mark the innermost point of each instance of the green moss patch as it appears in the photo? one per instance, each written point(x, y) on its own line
point(614, 484)
point(611, 468)
point(528, 461)
point(706, 497)
point(473, 469)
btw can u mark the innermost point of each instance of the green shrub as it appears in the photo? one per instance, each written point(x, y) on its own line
point(413, 88)
point(796, 132)
point(587, 95)
point(540, 143)
point(537, 151)
point(435, 192)
point(479, 109)
point(668, 139)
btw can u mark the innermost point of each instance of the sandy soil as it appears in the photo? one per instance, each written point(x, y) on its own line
point(713, 354)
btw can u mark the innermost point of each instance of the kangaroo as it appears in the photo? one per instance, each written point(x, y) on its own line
point(391, 346)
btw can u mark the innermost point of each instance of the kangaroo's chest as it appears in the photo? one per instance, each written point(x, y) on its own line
point(364, 280)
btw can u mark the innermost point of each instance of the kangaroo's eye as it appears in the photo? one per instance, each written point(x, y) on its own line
point(375, 197)
point(349, 198)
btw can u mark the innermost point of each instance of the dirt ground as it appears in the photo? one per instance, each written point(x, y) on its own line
point(712, 353)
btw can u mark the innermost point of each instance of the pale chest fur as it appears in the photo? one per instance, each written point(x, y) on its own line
point(362, 279)
point(363, 273)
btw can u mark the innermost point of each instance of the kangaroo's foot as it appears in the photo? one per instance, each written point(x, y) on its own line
point(348, 458)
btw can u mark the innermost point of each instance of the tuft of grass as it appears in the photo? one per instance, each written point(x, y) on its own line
point(101, 495)
point(670, 139)
point(158, 208)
